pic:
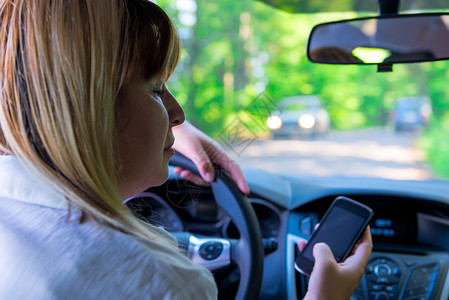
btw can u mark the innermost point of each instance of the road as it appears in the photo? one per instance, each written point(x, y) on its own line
point(376, 152)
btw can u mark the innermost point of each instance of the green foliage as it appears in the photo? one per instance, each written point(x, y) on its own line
point(242, 55)
point(313, 6)
point(436, 145)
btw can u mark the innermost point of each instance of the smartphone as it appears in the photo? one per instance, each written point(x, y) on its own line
point(340, 228)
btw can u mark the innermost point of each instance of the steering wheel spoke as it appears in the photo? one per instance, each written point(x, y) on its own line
point(215, 253)
point(212, 253)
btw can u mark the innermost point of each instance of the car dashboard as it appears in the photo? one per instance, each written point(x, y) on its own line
point(410, 229)
point(409, 258)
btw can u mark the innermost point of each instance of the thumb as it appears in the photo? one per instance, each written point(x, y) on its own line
point(323, 255)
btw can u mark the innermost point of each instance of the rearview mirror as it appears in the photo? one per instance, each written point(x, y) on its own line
point(381, 40)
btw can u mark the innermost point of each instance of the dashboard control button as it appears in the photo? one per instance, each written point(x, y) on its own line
point(393, 279)
point(211, 250)
point(396, 271)
point(383, 276)
point(382, 280)
point(382, 270)
point(370, 269)
point(380, 296)
point(389, 288)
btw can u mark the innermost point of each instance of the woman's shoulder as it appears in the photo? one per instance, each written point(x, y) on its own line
point(143, 267)
point(51, 253)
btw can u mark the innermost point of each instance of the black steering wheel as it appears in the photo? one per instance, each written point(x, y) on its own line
point(248, 251)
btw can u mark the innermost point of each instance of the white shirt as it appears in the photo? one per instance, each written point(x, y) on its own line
point(46, 254)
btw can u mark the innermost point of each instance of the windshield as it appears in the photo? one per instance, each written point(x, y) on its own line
point(241, 59)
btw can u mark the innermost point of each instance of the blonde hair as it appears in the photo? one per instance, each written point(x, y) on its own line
point(63, 64)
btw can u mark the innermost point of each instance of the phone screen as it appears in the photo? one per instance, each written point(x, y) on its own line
point(338, 221)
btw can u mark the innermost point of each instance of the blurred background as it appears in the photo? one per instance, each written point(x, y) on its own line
point(242, 58)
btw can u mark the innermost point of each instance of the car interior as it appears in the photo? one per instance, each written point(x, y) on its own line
point(250, 242)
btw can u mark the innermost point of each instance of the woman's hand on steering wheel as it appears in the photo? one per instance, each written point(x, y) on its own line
point(204, 152)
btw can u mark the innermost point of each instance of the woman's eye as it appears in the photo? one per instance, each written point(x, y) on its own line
point(159, 92)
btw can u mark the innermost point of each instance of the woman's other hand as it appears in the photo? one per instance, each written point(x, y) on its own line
point(204, 151)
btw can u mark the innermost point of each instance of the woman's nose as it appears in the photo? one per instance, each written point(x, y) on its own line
point(175, 112)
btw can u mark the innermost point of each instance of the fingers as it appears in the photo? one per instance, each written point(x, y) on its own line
point(204, 166)
point(236, 173)
point(301, 244)
point(204, 151)
point(214, 153)
point(362, 251)
point(366, 237)
point(190, 177)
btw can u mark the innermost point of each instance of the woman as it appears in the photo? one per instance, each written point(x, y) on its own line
point(87, 121)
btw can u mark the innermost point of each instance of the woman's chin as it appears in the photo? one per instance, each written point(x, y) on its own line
point(158, 180)
point(162, 176)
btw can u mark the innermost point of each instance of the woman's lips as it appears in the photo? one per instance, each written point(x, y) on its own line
point(169, 145)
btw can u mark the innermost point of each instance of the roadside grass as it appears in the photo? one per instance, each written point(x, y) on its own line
point(435, 143)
